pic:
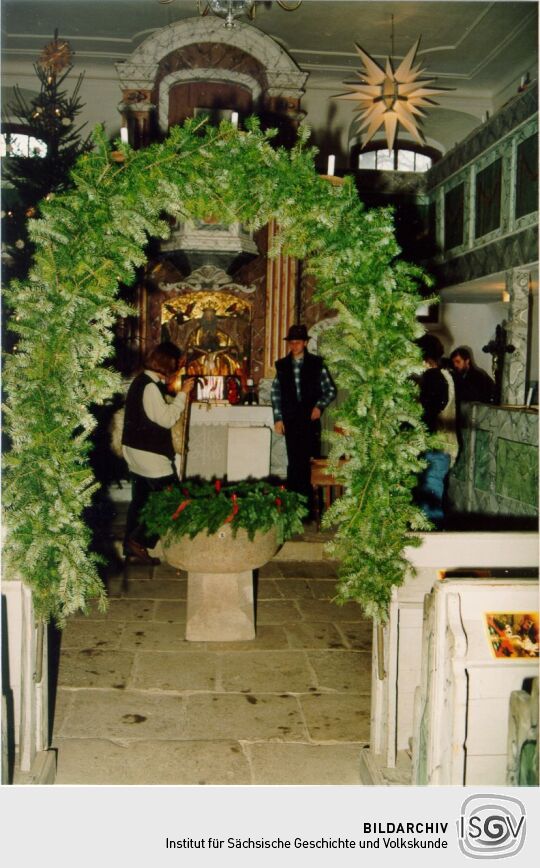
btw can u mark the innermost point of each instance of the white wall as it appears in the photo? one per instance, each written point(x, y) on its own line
point(528, 64)
point(101, 97)
point(331, 120)
point(470, 325)
point(100, 92)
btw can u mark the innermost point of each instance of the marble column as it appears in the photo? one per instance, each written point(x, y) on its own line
point(514, 380)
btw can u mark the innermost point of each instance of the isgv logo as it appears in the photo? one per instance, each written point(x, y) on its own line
point(491, 826)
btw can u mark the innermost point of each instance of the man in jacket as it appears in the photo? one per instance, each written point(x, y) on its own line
point(301, 391)
point(472, 383)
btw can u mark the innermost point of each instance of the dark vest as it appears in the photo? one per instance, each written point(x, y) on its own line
point(310, 386)
point(139, 431)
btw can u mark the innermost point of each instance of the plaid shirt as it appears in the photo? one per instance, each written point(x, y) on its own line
point(328, 390)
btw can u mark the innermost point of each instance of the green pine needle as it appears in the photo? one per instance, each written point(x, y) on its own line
point(91, 238)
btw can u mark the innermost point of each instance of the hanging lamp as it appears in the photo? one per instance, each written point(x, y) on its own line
point(387, 98)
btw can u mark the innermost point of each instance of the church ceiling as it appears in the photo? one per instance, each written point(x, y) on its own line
point(474, 46)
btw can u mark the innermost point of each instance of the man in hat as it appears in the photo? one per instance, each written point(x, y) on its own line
point(301, 390)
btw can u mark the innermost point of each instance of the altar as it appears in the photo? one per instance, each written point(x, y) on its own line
point(233, 441)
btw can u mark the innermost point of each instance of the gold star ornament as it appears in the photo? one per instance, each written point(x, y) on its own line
point(390, 98)
point(55, 56)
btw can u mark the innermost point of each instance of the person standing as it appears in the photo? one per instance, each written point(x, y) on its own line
point(147, 441)
point(472, 383)
point(301, 391)
point(437, 397)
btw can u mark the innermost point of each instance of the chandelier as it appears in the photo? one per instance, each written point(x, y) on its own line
point(387, 98)
point(231, 9)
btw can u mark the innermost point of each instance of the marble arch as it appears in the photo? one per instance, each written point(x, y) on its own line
point(141, 76)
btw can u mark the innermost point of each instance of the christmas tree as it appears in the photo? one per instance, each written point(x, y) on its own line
point(55, 143)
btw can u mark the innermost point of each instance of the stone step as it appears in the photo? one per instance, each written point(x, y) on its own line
point(300, 550)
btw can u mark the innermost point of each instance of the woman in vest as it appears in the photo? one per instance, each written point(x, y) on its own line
point(147, 441)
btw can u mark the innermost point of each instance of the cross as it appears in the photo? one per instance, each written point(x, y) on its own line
point(497, 347)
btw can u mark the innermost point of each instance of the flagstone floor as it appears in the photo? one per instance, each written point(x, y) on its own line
point(138, 704)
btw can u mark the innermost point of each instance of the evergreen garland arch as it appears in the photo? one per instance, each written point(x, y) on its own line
point(92, 237)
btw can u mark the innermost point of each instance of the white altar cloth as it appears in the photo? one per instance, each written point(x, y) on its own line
point(212, 413)
point(229, 440)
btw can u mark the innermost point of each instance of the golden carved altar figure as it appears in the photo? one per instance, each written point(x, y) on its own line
point(213, 328)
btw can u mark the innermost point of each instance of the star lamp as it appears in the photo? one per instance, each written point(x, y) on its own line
point(387, 98)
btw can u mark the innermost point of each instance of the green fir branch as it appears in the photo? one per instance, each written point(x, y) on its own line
point(91, 238)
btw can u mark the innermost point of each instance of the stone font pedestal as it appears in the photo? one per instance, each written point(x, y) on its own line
point(220, 568)
point(220, 607)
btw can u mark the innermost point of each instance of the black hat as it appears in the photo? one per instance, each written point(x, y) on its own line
point(297, 333)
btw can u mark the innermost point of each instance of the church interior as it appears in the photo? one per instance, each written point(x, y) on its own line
point(322, 694)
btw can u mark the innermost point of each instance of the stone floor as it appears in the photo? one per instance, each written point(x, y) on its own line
point(137, 704)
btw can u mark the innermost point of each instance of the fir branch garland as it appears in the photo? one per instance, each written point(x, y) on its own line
point(92, 237)
point(197, 507)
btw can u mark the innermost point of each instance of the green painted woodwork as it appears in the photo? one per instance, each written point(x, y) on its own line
point(517, 471)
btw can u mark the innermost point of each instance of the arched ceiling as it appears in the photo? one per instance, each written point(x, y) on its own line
point(471, 45)
point(478, 49)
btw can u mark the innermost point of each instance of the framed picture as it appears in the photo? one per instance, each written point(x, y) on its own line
point(512, 634)
point(210, 388)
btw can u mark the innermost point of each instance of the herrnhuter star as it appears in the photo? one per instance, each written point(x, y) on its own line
point(390, 98)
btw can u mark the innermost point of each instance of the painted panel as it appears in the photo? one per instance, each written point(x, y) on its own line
point(454, 212)
point(517, 471)
point(482, 449)
point(459, 470)
point(488, 198)
point(527, 177)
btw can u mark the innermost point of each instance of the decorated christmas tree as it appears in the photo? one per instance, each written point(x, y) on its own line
point(42, 169)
